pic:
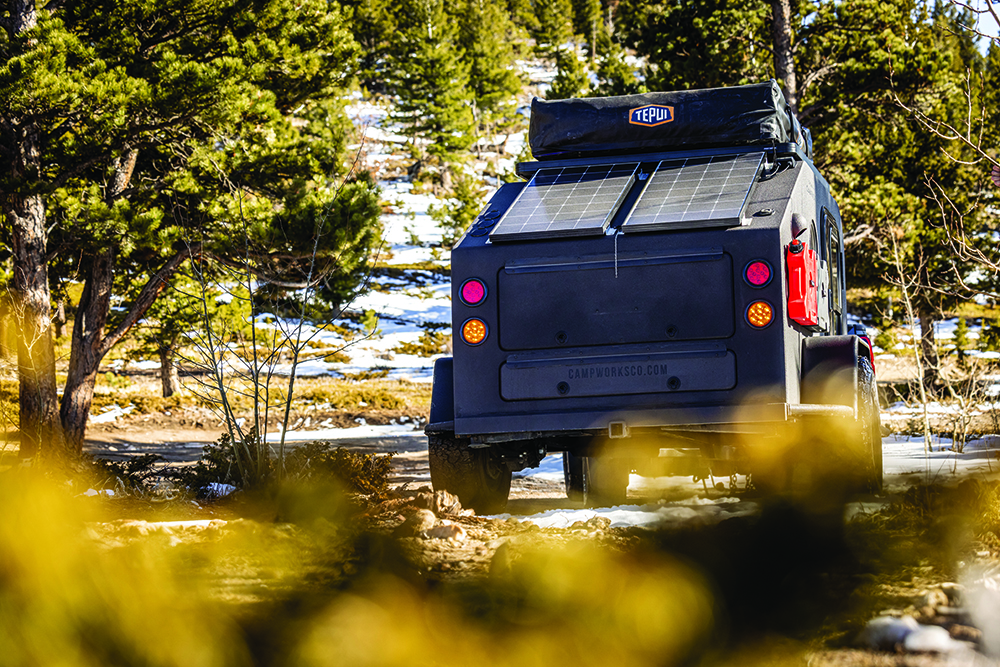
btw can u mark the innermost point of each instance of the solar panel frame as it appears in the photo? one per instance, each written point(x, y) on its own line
point(695, 192)
point(567, 201)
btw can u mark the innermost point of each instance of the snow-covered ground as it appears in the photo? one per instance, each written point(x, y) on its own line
point(692, 510)
point(905, 461)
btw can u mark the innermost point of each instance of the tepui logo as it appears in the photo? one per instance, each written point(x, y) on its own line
point(651, 115)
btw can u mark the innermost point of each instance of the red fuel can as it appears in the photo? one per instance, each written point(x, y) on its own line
point(803, 298)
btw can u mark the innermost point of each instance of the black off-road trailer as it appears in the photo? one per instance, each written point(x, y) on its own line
point(667, 280)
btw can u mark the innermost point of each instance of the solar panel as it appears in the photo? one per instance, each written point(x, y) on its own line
point(695, 192)
point(567, 201)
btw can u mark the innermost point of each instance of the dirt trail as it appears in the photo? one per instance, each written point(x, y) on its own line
point(180, 440)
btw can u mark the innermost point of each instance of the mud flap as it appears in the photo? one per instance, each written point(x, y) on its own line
point(830, 371)
point(442, 417)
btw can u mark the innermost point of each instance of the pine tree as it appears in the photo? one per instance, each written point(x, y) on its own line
point(373, 25)
point(962, 341)
point(431, 81)
point(587, 23)
point(555, 27)
point(571, 78)
point(523, 14)
point(152, 138)
point(699, 43)
point(486, 37)
point(456, 214)
point(614, 75)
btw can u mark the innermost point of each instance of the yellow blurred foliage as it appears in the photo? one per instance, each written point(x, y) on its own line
point(577, 606)
point(76, 591)
point(65, 600)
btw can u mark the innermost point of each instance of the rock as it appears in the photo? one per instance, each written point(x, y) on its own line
point(885, 632)
point(966, 633)
point(953, 612)
point(935, 598)
point(445, 503)
point(418, 524)
point(447, 531)
point(424, 501)
point(599, 523)
point(500, 564)
point(954, 592)
point(930, 639)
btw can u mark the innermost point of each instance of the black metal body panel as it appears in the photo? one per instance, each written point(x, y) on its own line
point(703, 368)
point(672, 300)
point(606, 299)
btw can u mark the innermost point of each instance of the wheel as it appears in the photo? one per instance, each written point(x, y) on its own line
point(477, 476)
point(605, 481)
point(573, 474)
point(870, 424)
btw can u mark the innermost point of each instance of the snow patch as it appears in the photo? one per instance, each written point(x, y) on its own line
point(366, 431)
point(111, 413)
point(654, 515)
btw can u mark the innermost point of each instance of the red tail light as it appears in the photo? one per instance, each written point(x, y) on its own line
point(757, 273)
point(472, 292)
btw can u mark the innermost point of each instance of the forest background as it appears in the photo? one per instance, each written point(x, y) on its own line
point(150, 146)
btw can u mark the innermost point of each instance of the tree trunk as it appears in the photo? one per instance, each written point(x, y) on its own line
point(86, 350)
point(25, 212)
point(168, 371)
point(784, 63)
point(89, 345)
point(8, 341)
point(60, 319)
point(928, 348)
point(36, 366)
point(593, 43)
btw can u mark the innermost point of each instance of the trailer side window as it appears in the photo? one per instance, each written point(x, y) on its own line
point(834, 266)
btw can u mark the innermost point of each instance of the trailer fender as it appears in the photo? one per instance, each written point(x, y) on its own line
point(830, 369)
point(442, 417)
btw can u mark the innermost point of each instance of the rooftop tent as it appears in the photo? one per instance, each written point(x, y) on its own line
point(752, 115)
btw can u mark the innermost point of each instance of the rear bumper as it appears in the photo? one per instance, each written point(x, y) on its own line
point(720, 419)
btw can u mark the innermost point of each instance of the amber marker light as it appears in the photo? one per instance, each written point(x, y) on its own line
point(758, 273)
point(760, 314)
point(473, 292)
point(474, 331)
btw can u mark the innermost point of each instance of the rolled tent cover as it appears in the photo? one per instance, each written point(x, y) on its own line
point(753, 115)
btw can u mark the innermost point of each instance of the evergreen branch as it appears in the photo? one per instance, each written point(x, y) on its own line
point(156, 284)
point(263, 275)
point(78, 168)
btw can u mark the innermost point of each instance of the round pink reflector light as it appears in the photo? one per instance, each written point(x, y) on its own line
point(758, 273)
point(473, 292)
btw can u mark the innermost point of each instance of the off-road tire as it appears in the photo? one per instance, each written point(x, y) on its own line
point(870, 425)
point(477, 476)
point(573, 475)
point(605, 480)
